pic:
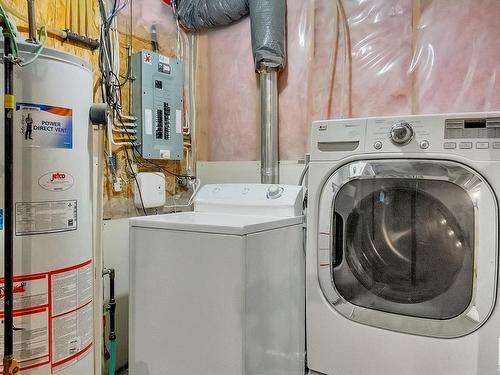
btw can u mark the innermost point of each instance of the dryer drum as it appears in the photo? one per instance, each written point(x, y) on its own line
point(404, 245)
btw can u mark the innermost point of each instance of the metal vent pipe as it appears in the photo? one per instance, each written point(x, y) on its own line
point(269, 120)
point(268, 26)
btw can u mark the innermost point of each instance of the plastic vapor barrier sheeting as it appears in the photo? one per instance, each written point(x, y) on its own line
point(403, 59)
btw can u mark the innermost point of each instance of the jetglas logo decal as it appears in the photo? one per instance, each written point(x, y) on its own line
point(56, 181)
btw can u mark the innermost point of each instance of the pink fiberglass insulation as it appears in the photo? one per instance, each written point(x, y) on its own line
point(233, 102)
point(456, 61)
point(234, 96)
point(293, 82)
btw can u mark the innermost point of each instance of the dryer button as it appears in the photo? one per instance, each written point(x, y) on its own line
point(483, 145)
point(377, 145)
point(465, 145)
point(496, 145)
point(424, 145)
point(450, 145)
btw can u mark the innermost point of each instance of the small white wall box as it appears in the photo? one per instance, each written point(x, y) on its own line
point(152, 190)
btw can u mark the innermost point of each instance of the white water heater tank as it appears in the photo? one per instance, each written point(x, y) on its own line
point(53, 237)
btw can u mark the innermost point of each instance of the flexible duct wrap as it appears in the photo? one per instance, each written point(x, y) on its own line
point(197, 15)
point(268, 32)
point(267, 21)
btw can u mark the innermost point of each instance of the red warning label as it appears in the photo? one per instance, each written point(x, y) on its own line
point(31, 320)
point(53, 317)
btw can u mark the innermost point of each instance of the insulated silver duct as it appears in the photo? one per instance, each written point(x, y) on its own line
point(197, 15)
point(268, 22)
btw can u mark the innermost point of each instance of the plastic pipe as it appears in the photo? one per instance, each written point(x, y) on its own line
point(112, 357)
point(112, 309)
point(269, 169)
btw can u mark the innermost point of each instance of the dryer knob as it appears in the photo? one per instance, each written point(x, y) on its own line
point(401, 133)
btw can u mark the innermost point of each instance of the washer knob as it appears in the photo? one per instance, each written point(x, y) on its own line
point(274, 192)
point(401, 133)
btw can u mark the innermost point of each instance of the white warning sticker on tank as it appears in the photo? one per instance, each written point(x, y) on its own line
point(45, 126)
point(46, 217)
point(72, 314)
point(31, 338)
point(30, 291)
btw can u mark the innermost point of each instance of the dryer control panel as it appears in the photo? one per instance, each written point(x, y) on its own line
point(472, 135)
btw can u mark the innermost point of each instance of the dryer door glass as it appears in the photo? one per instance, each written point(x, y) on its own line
point(408, 245)
point(404, 246)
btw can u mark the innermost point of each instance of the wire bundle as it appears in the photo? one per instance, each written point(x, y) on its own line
point(111, 89)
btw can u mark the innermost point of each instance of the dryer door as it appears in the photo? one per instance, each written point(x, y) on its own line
point(409, 245)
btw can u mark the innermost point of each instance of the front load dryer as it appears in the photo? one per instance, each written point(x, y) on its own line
point(402, 246)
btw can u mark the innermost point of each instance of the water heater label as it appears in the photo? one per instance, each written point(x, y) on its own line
point(46, 217)
point(45, 126)
point(72, 314)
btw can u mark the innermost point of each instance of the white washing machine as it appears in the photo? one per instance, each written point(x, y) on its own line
point(221, 290)
point(402, 246)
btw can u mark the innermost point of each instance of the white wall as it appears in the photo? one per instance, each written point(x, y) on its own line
point(213, 172)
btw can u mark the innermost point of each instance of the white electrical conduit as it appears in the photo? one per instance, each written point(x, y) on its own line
point(38, 50)
point(195, 187)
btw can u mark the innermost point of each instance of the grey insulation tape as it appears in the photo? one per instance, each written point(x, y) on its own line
point(268, 18)
point(197, 15)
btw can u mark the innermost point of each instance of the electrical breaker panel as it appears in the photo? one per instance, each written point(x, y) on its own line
point(157, 104)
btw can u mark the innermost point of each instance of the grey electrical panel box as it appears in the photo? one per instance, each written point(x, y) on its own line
point(157, 104)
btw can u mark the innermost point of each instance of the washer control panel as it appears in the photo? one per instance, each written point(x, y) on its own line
point(472, 135)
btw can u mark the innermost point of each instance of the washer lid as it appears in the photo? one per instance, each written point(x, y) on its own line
point(212, 222)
